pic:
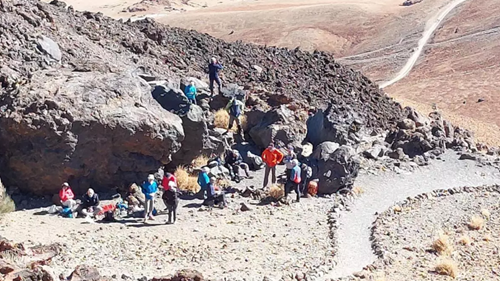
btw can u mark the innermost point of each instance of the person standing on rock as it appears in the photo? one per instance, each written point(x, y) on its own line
point(235, 108)
point(203, 181)
point(213, 74)
point(294, 180)
point(190, 92)
point(272, 157)
point(67, 196)
point(149, 189)
point(289, 157)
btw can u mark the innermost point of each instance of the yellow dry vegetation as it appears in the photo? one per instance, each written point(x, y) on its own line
point(200, 161)
point(476, 223)
point(221, 120)
point(185, 181)
point(277, 191)
point(464, 240)
point(447, 267)
point(442, 245)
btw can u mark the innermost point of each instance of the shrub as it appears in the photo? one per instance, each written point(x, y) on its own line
point(442, 245)
point(277, 191)
point(358, 190)
point(7, 205)
point(476, 223)
point(464, 240)
point(200, 161)
point(185, 181)
point(221, 120)
point(447, 267)
point(485, 213)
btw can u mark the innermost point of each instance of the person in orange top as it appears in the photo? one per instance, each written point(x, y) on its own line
point(272, 157)
point(67, 196)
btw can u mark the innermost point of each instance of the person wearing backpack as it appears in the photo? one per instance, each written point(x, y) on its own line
point(190, 92)
point(306, 175)
point(235, 109)
point(293, 182)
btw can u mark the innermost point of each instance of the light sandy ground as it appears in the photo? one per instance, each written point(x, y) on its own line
point(266, 241)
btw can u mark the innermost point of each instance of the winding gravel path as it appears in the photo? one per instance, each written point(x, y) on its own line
point(432, 25)
point(383, 190)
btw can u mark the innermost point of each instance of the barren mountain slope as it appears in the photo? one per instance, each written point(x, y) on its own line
point(460, 67)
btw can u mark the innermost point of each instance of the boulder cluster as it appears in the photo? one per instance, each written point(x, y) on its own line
point(98, 102)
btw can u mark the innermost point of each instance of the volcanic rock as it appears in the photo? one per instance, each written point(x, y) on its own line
point(84, 273)
point(336, 167)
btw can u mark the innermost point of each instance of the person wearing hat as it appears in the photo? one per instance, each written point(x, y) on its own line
point(272, 157)
point(234, 108)
point(234, 162)
point(289, 157)
point(67, 196)
point(294, 180)
point(149, 188)
point(203, 181)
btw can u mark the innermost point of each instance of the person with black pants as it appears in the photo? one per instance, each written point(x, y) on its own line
point(171, 199)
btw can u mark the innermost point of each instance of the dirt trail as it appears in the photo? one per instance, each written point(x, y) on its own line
point(432, 25)
point(387, 188)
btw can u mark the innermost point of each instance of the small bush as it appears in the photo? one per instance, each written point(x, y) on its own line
point(447, 267)
point(464, 240)
point(200, 161)
point(358, 190)
point(185, 181)
point(487, 238)
point(485, 213)
point(221, 120)
point(277, 191)
point(7, 205)
point(442, 245)
point(476, 223)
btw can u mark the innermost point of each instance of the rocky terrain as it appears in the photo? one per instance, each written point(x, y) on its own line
point(456, 227)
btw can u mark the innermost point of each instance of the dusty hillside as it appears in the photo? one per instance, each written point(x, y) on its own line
point(459, 68)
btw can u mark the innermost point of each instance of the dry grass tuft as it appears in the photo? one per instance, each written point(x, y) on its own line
point(476, 223)
point(358, 190)
point(185, 181)
point(447, 267)
point(397, 209)
point(485, 213)
point(464, 240)
point(380, 278)
point(223, 183)
point(200, 161)
point(487, 238)
point(442, 245)
point(277, 191)
point(7, 205)
point(221, 120)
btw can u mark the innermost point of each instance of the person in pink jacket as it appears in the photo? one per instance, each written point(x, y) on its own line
point(67, 196)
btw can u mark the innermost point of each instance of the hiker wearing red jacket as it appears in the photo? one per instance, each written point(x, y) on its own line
point(67, 196)
point(272, 157)
point(167, 178)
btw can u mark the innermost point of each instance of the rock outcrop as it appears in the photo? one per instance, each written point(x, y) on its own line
point(335, 167)
point(91, 129)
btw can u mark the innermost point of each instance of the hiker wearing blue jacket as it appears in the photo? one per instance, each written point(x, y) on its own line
point(213, 74)
point(149, 188)
point(235, 109)
point(294, 180)
point(203, 181)
point(190, 92)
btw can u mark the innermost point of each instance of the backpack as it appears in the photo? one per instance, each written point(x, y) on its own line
point(235, 109)
point(296, 178)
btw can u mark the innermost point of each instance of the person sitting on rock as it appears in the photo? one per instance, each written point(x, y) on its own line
point(235, 108)
point(67, 196)
point(272, 157)
point(149, 188)
point(294, 180)
point(290, 155)
point(135, 198)
point(234, 162)
point(203, 181)
point(213, 74)
point(190, 92)
point(215, 196)
point(171, 200)
point(90, 203)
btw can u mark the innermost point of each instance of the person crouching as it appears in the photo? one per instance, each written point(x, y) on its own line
point(90, 203)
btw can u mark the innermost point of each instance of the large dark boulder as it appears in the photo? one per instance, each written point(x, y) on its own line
point(336, 123)
point(335, 167)
point(91, 129)
point(280, 125)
